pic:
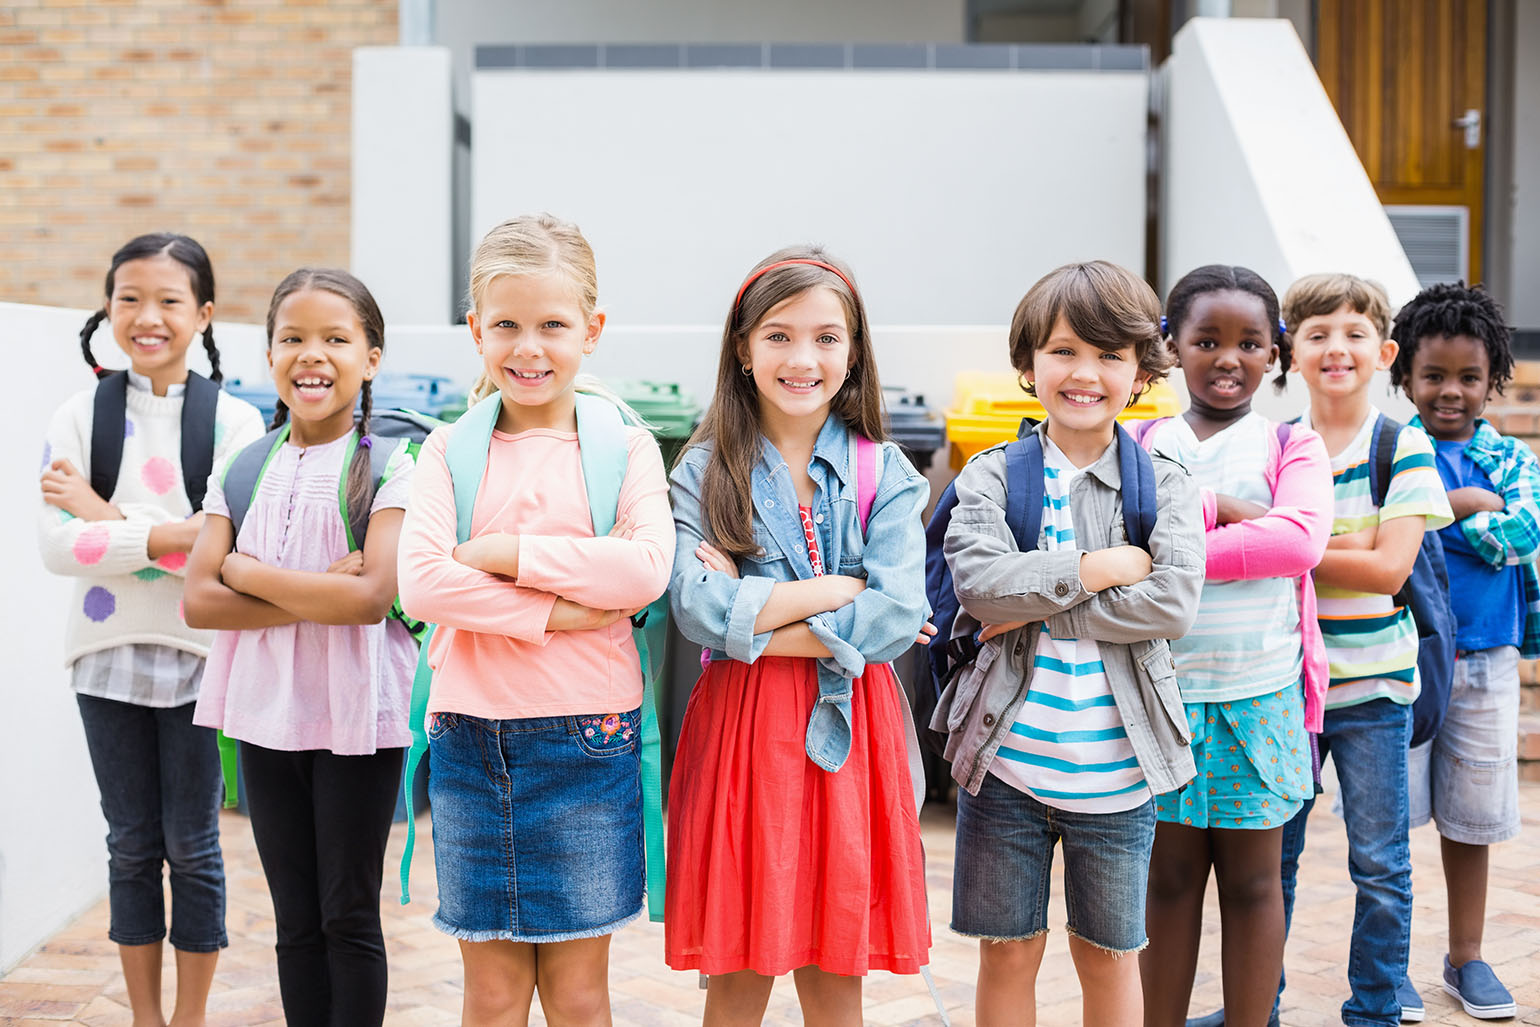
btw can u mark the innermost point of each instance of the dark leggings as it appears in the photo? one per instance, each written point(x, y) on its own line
point(321, 822)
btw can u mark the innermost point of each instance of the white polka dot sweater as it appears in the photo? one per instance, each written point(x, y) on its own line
point(121, 595)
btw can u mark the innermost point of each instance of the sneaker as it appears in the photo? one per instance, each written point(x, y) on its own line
point(1478, 990)
point(1412, 1010)
point(1217, 1019)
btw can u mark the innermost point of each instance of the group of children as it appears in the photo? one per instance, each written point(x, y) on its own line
point(1202, 610)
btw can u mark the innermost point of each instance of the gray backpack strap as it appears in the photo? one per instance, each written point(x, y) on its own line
point(244, 473)
point(380, 450)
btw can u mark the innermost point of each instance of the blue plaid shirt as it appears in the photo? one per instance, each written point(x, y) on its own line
point(1510, 535)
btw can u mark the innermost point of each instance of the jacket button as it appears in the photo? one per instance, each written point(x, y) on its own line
point(1061, 589)
point(989, 720)
point(1021, 647)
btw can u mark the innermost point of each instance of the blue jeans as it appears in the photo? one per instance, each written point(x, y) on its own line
point(1367, 744)
point(1005, 842)
point(160, 785)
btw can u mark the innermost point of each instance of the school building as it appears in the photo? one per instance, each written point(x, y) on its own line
point(952, 150)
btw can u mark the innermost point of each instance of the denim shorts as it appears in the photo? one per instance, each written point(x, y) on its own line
point(1466, 778)
point(537, 825)
point(1005, 841)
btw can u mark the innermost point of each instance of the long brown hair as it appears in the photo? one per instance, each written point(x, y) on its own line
point(732, 426)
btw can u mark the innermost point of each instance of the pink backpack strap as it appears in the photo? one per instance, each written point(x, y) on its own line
point(866, 478)
point(1143, 430)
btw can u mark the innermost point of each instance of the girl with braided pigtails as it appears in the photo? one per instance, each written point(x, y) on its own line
point(124, 469)
point(307, 671)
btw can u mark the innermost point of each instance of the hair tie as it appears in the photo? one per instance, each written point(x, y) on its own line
point(1283, 329)
point(787, 263)
point(366, 442)
point(1163, 324)
point(98, 369)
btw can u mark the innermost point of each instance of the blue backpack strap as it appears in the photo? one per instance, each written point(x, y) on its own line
point(603, 449)
point(1024, 490)
point(1139, 500)
point(465, 454)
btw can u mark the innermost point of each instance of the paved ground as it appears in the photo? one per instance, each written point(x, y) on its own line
point(74, 977)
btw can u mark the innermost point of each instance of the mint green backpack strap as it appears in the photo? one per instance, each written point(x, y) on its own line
point(605, 454)
point(466, 455)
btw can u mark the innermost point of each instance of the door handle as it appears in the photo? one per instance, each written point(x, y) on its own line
point(1471, 122)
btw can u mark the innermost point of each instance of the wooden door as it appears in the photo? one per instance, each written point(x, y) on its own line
point(1407, 76)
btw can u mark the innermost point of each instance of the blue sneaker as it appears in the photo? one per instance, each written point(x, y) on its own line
point(1412, 1010)
point(1217, 1019)
point(1478, 990)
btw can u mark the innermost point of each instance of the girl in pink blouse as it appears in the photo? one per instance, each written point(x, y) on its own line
point(306, 670)
point(533, 720)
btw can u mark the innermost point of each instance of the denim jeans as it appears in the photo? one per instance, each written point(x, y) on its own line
point(160, 786)
point(1367, 744)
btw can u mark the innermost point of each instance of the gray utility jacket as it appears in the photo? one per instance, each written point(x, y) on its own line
point(997, 583)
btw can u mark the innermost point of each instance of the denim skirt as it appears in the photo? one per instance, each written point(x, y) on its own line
point(537, 825)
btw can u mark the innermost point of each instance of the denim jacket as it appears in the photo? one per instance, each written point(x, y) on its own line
point(718, 611)
point(996, 583)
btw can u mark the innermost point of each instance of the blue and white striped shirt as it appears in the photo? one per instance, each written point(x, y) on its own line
point(1068, 748)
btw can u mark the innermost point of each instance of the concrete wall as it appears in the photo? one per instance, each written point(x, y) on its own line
point(948, 191)
point(1257, 169)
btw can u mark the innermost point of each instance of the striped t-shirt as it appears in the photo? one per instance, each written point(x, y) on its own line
point(1068, 748)
point(1371, 643)
point(1246, 640)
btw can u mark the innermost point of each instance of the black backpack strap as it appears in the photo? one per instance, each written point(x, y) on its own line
point(109, 415)
point(244, 473)
point(200, 403)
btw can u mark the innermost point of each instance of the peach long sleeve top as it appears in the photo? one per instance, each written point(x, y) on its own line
point(492, 655)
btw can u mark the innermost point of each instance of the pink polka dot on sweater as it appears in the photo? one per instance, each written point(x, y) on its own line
point(91, 545)
point(159, 475)
point(172, 561)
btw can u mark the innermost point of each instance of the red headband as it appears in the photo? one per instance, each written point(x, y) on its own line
point(787, 263)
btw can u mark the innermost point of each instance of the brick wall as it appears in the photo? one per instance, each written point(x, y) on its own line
point(228, 120)
point(1518, 413)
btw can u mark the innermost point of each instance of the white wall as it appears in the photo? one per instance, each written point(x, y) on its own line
point(1257, 167)
point(403, 145)
point(1524, 309)
point(949, 192)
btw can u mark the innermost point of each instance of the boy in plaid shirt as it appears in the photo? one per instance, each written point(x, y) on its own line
point(1453, 354)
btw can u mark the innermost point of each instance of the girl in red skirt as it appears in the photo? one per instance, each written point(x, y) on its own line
point(793, 837)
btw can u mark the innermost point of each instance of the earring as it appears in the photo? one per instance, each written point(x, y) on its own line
point(748, 372)
point(847, 374)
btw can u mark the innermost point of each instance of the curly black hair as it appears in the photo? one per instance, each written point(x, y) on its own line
point(1227, 278)
point(1446, 310)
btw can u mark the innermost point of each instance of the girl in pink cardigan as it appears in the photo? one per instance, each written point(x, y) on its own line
point(1252, 669)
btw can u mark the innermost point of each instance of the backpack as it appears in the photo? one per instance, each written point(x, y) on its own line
point(109, 419)
point(1425, 594)
point(243, 475)
point(603, 450)
point(949, 656)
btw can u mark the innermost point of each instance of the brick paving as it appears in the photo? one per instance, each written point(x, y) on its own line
point(74, 978)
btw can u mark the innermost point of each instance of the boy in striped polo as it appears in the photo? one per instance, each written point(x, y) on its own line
point(1341, 339)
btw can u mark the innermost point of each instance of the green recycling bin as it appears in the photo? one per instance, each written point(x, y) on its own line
point(673, 413)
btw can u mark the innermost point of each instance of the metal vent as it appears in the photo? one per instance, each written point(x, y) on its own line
point(1436, 241)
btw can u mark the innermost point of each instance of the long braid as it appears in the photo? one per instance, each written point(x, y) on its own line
point(360, 480)
point(215, 375)
point(92, 323)
point(280, 415)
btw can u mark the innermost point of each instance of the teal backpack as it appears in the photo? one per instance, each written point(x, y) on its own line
point(603, 450)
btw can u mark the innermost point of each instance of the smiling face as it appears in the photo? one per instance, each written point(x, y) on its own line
point(155, 316)
point(1450, 381)
point(320, 356)
point(800, 356)
point(1338, 353)
point(1082, 387)
point(532, 335)
point(1225, 346)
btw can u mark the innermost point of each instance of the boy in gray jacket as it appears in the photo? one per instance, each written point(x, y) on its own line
point(1070, 719)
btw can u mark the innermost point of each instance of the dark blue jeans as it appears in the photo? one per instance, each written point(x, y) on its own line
point(159, 779)
point(1367, 744)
